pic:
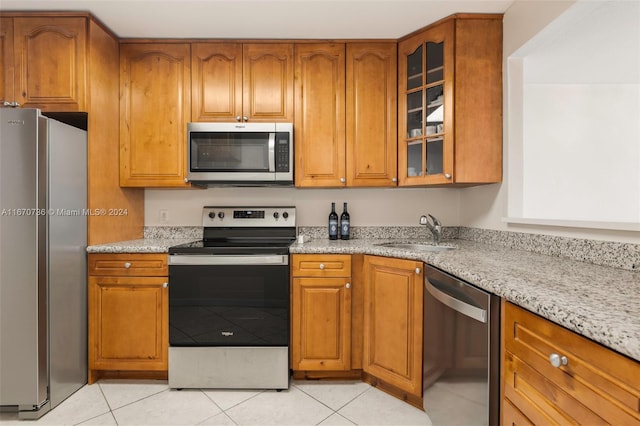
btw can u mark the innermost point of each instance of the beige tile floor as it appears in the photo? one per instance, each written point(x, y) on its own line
point(127, 402)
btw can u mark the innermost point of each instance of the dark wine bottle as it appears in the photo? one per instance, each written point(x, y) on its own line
point(333, 223)
point(345, 224)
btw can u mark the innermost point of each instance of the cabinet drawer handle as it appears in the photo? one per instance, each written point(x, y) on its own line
point(348, 285)
point(165, 285)
point(557, 360)
point(127, 265)
point(321, 266)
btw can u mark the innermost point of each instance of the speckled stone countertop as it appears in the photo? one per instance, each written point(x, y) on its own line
point(599, 302)
point(145, 245)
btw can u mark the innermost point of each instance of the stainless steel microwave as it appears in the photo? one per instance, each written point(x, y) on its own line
point(242, 154)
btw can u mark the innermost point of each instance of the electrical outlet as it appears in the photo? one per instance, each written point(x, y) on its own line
point(164, 215)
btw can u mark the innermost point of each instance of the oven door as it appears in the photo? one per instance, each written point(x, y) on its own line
point(223, 300)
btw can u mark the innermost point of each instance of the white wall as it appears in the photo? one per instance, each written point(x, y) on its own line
point(485, 207)
point(367, 207)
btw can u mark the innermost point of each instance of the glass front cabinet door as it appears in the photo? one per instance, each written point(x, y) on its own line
point(425, 98)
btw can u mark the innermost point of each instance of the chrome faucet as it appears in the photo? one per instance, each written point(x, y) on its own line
point(435, 227)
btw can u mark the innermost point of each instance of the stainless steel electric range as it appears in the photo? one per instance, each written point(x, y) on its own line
point(229, 301)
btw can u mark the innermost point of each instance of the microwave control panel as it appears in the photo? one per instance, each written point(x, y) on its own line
point(282, 152)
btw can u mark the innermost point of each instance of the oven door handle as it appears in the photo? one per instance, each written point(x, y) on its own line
point(454, 303)
point(271, 260)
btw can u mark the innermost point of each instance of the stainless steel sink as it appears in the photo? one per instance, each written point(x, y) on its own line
point(417, 246)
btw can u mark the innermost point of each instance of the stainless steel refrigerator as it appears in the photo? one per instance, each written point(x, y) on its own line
point(43, 272)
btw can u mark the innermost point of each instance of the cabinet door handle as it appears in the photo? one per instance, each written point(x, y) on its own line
point(321, 266)
point(245, 118)
point(238, 118)
point(417, 271)
point(394, 179)
point(557, 360)
point(165, 285)
point(342, 180)
point(447, 175)
point(127, 265)
point(348, 285)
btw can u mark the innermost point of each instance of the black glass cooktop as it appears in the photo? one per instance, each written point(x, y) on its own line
point(231, 247)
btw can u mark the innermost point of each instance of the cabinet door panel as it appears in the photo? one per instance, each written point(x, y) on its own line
point(154, 108)
point(216, 81)
point(268, 82)
point(128, 323)
point(393, 322)
point(50, 63)
point(321, 324)
point(371, 114)
point(320, 116)
point(6, 56)
point(426, 111)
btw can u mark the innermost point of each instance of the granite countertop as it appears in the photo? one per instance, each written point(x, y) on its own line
point(144, 245)
point(598, 302)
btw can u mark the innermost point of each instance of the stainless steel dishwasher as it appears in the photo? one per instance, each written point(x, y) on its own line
point(461, 364)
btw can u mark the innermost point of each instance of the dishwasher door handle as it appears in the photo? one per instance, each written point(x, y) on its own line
point(464, 308)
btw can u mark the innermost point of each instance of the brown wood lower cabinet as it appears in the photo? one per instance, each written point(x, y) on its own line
point(128, 315)
point(591, 384)
point(393, 290)
point(321, 313)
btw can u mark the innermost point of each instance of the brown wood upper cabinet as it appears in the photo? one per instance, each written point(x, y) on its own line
point(155, 107)
point(450, 103)
point(44, 62)
point(345, 115)
point(242, 82)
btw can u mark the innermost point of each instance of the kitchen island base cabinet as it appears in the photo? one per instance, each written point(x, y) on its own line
point(393, 299)
point(128, 316)
point(554, 376)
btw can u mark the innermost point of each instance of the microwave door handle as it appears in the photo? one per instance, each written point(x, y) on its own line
point(272, 152)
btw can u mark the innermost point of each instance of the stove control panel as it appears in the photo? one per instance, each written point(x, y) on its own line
point(272, 216)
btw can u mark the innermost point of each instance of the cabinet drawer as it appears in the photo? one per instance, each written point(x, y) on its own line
point(321, 265)
point(138, 265)
point(594, 379)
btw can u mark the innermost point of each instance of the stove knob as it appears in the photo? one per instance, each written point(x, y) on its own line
point(221, 215)
point(276, 215)
point(212, 215)
point(285, 215)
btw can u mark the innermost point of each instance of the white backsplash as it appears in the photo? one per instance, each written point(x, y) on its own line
point(367, 207)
